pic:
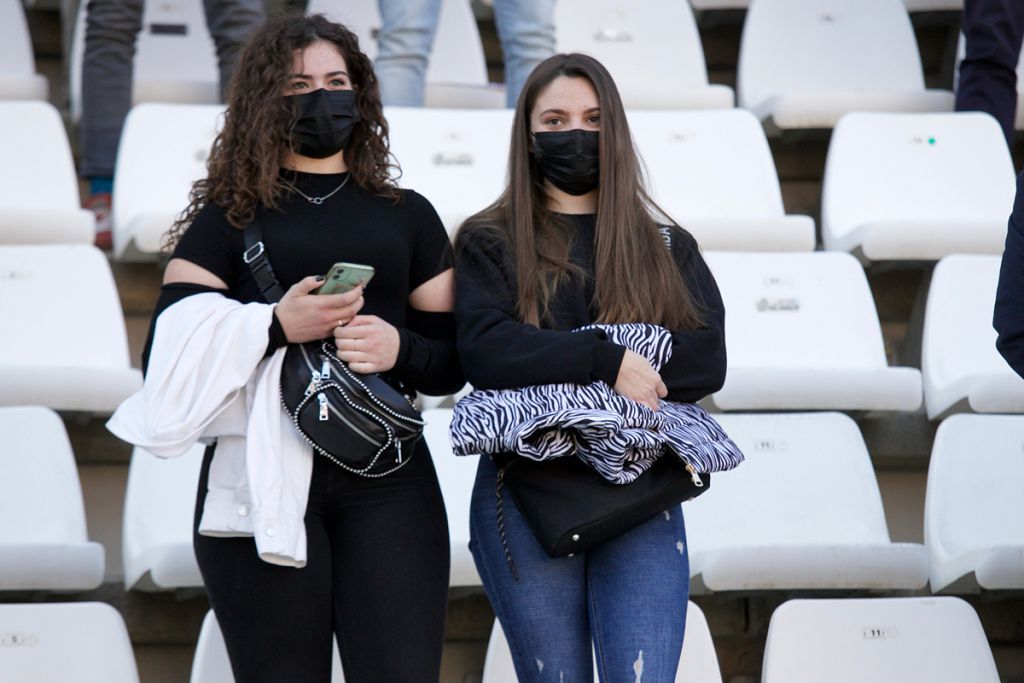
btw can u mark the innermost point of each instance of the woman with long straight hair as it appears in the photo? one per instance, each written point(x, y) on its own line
point(575, 240)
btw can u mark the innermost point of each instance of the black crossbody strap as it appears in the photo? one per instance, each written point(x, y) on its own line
point(255, 256)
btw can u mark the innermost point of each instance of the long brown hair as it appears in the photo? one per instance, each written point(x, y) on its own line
point(243, 169)
point(635, 276)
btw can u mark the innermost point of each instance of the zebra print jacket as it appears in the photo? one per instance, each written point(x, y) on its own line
point(618, 437)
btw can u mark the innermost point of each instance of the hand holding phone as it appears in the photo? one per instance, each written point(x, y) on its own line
point(343, 277)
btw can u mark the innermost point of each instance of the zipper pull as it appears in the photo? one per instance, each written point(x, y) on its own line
point(313, 381)
point(398, 447)
point(695, 477)
point(325, 370)
point(323, 407)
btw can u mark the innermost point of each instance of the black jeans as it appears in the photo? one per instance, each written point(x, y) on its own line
point(376, 577)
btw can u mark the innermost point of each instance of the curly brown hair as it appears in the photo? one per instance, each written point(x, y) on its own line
point(243, 169)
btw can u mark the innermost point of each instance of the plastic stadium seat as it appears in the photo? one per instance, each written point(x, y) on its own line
point(974, 513)
point(713, 172)
point(910, 640)
point(456, 159)
point(803, 333)
point(457, 71)
point(698, 661)
point(917, 186)
point(158, 509)
point(84, 642)
point(805, 63)
point(651, 48)
point(456, 474)
point(211, 665)
point(803, 512)
point(43, 540)
point(961, 367)
point(175, 58)
point(18, 77)
point(39, 200)
point(166, 141)
point(64, 343)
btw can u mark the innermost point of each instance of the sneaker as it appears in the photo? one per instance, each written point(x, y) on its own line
point(99, 204)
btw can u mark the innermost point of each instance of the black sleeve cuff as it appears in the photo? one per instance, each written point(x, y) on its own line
point(404, 347)
point(607, 360)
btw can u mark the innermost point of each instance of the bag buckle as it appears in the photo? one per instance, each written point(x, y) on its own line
point(248, 256)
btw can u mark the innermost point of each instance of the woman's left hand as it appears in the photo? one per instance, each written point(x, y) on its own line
point(368, 344)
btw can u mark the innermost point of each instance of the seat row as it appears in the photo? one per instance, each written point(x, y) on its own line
point(804, 511)
point(896, 187)
point(802, 63)
point(912, 640)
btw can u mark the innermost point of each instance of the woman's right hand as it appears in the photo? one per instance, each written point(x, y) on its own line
point(638, 381)
point(307, 317)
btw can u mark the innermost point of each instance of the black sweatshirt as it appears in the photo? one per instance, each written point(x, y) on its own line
point(405, 242)
point(500, 352)
point(1008, 317)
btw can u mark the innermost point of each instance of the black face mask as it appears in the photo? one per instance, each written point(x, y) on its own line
point(568, 158)
point(325, 121)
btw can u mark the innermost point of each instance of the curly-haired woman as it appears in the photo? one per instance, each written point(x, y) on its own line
point(303, 149)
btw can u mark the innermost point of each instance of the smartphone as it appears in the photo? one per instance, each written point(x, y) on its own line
point(345, 276)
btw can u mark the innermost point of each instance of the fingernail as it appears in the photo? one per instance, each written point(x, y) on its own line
point(319, 278)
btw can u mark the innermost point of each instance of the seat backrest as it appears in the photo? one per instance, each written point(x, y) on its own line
point(158, 507)
point(211, 665)
point(911, 640)
point(40, 171)
point(457, 159)
point(708, 164)
point(457, 55)
point(650, 47)
point(85, 642)
point(16, 58)
point(807, 480)
point(826, 45)
point(163, 150)
point(175, 58)
point(37, 335)
point(798, 311)
point(940, 167)
point(40, 494)
point(973, 501)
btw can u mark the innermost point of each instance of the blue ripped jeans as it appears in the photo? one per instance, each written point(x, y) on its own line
point(627, 597)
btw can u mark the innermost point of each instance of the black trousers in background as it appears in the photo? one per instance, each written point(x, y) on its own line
point(376, 578)
point(993, 30)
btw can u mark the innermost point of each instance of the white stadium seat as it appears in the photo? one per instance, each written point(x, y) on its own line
point(157, 528)
point(456, 159)
point(961, 367)
point(39, 201)
point(44, 544)
point(698, 661)
point(169, 142)
point(64, 343)
point(974, 512)
point(917, 186)
point(84, 642)
point(713, 172)
point(175, 58)
point(805, 63)
point(210, 663)
point(802, 332)
point(651, 48)
point(18, 77)
point(803, 512)
point(456, 474)
point(910, 640)
point(456, 72)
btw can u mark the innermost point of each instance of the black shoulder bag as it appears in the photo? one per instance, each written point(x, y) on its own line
point(360, 422)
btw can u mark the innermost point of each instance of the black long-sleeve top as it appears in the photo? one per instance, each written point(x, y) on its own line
point(405, 242)
point(498, 351)
point(1008, 317)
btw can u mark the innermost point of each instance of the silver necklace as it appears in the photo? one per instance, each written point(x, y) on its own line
point(320, 200)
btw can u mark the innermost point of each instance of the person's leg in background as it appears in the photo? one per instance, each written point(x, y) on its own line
point(111, 28)
point(406, 38)
point(526, 29)
point(993, 30)
point(231, 22)
point(638, 588)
